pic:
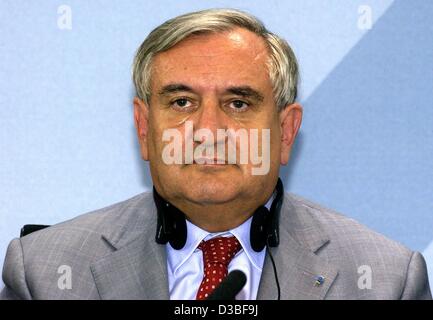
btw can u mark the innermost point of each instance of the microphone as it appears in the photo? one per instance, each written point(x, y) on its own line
point(229, 287)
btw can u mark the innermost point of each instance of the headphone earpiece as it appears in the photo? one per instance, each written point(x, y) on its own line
point(258, 228)
point(265, 223)
point(171, 222)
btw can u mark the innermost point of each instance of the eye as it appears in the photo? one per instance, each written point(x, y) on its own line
point(181, 103)
point(238, 105)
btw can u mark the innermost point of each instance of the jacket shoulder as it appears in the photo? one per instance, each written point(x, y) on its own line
point(113, 218)
point(356, 252)
point(342, 230)
point(73, 245)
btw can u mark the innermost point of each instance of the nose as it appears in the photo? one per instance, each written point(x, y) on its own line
point(211, 117)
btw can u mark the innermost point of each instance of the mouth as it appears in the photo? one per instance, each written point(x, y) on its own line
point(209, 161)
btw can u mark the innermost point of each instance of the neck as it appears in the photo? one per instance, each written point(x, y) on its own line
point(218, 217)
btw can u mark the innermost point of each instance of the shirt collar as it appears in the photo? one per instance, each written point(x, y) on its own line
point(176, 258)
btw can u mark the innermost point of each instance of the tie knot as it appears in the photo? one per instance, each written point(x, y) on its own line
point(219, 250)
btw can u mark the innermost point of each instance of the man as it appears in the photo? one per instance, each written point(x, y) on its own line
point(208, 84)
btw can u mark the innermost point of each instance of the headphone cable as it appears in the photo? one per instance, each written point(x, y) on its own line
point(274, 267)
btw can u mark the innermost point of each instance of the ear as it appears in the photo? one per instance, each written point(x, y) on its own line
point(141, 121)
point(290, 121)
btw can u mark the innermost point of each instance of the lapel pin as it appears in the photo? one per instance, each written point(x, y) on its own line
point(319, 280)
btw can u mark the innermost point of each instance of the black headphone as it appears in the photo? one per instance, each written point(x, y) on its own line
point(171, 223)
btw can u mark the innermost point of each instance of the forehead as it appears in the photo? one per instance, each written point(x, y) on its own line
point(217, 59)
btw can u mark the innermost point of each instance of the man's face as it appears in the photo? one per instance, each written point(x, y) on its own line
point(213, 81)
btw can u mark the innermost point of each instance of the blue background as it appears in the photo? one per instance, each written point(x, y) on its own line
point(67, 140)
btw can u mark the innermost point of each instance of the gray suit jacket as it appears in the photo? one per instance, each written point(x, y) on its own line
point(111, 254)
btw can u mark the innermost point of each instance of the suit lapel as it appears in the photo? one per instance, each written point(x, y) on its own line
point(297, 264)
point(137, 269)
point(297, 270)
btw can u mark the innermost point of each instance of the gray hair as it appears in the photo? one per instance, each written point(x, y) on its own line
point(282, 64)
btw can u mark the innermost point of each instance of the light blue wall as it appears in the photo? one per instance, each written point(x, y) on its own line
point(67, 141)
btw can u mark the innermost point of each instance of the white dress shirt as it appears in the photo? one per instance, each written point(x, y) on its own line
point(185, 266)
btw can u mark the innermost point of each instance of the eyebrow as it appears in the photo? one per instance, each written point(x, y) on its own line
point(173, 88)
point(243, 91)
point(246, 92)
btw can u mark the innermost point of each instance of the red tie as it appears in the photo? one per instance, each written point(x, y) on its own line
point(217, 254)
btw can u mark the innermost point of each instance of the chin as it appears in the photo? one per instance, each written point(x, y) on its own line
point(212, 190)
